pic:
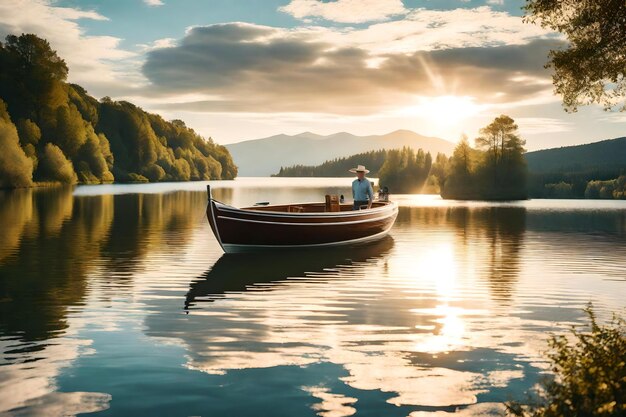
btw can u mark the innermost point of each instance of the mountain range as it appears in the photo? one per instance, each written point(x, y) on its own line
point(264, 157)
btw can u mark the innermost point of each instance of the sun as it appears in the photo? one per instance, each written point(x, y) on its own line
point(443, 112)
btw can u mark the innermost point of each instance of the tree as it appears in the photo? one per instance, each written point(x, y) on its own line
point(70, 130)
point(92, 166)
point(502, 144)
point(440, 169)
point(31, 75)
point(34, 54)
point(16, 169)
point(28, 131)
point(29, 135)
point(461, 180)
point(592, 68)
point(462, 157)
point(54, 166)
point(405, 171)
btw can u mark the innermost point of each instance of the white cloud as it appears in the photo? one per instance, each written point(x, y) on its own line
point(75, 14)
point(425, 30)
point(345, 11)
point(159, 43)
point(496, 2)
point(542, 125)
point(153, 3)
point(97, 62)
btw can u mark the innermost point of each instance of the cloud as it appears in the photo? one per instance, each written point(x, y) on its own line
point(159, 43)
point(97, 62)
point(542, 125)
point(345, 11)
point(153, 3)
point(252, 68)
point(428, 30)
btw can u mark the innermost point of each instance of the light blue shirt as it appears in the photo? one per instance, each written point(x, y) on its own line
point(361, 190)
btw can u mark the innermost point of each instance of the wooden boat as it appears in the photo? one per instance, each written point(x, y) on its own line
point(300, 225)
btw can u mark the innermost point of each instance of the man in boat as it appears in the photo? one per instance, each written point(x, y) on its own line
point(362, 191)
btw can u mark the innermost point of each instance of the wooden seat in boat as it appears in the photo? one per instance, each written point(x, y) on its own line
point(332, 203)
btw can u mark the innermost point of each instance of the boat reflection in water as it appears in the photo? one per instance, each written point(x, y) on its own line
point(238, 272)
point(365, 326)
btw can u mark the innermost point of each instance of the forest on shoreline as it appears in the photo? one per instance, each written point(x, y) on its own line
point(52, 131)
point(402, 170)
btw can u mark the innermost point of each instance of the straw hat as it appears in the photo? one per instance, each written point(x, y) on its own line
point(359, 168)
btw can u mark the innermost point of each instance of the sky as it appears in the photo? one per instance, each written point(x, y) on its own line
point(245, 69)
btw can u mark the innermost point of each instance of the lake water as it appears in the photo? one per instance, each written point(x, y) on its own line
point(117, 300)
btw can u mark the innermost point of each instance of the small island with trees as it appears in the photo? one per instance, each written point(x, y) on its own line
point(495, 170)
point(52, 131)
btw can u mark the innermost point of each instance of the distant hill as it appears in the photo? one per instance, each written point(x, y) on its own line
point(603, 156)
point(583, 171)
point(264, 157)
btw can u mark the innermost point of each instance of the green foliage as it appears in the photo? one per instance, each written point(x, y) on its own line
point(16, 169)
point(154, 173)
point(589, 374)
point(558, 190)
point(86, 105)
point(438, 172)
point(402, 170)
point(93, 167)
point(612, 189)
point(132, 177)
point(28, 132)
point(405, 171)
point(182, 169)
point(578, 180)
point(495, 171)
point(591, 69)
point(504, 154)
point(54, 166)
point(432, 185)
point(70, 130)
point(31, 76)
point(102, 141)
point(177, 150)
point(338, 167)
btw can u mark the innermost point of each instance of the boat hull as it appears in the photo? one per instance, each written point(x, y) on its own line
point(245, 230)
